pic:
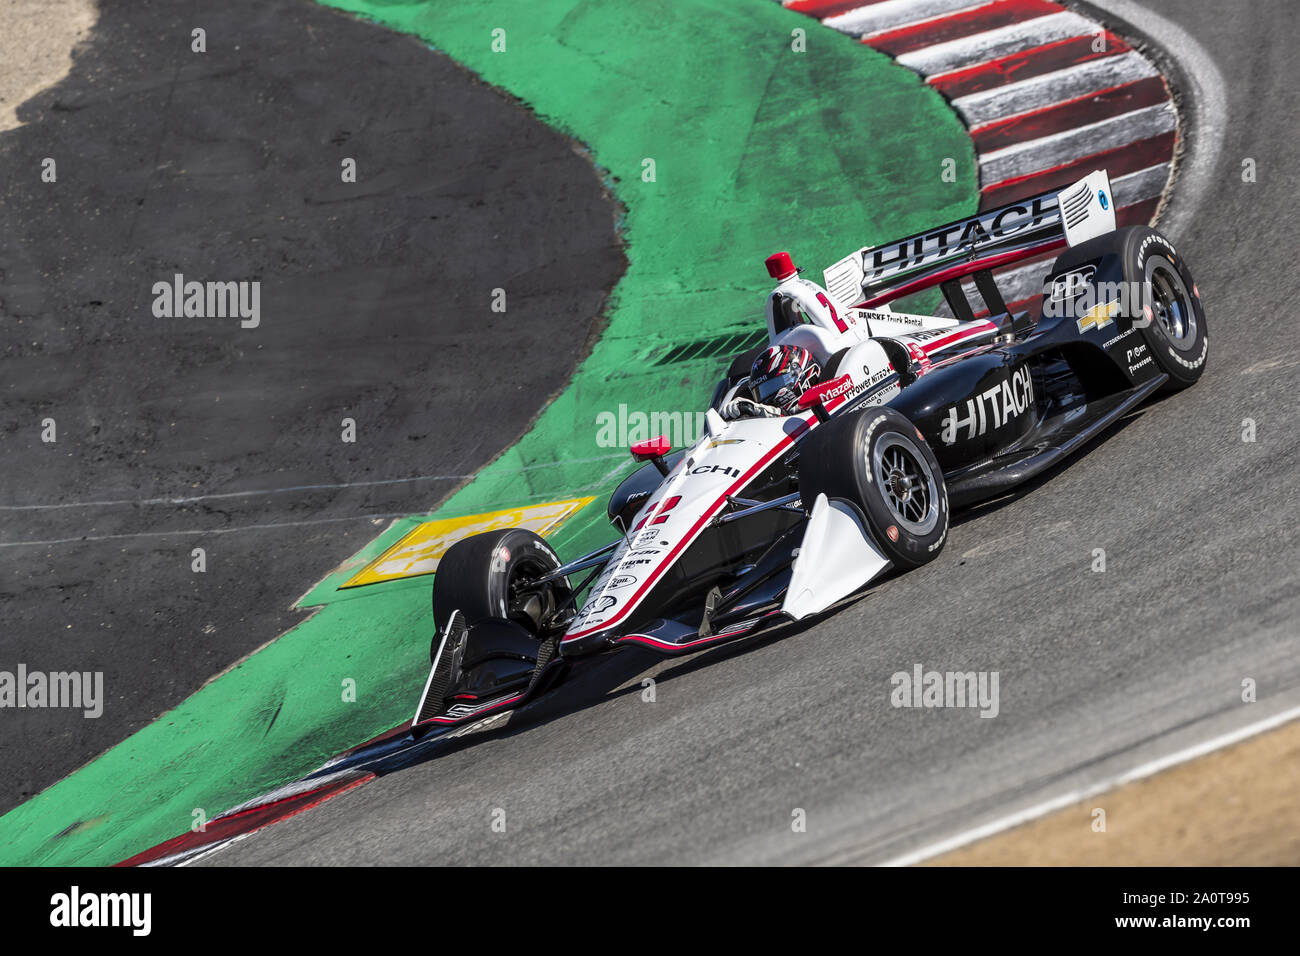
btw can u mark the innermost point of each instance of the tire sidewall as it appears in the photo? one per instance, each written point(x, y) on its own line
point(900, 544)
point(480, 568)
point(1183, 365)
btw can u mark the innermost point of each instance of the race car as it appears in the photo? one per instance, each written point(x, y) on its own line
point(834, 453)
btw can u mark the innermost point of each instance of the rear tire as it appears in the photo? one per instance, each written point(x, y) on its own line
point(487, 576)
point(1176, 333)
point(877, 460)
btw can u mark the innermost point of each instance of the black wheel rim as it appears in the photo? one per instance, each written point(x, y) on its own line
point(907, 484)
point(1170, 302)
point(531, 604)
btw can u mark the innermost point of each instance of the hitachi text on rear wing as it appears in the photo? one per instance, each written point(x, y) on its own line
point(875, 275)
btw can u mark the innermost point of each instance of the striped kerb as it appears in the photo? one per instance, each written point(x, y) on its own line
point(1047, 94)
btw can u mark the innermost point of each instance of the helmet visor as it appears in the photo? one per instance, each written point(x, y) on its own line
point(776, 389)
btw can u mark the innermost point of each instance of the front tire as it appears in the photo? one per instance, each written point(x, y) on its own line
point(877, 460)
point(491, 575)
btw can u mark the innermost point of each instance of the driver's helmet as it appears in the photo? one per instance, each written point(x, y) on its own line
point(781, 374)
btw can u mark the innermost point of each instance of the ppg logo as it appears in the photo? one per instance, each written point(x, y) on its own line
point(1071, 284)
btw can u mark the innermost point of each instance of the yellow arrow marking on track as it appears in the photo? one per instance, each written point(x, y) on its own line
point(420, 549)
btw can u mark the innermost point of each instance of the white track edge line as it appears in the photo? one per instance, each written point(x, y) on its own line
point(1142, 771)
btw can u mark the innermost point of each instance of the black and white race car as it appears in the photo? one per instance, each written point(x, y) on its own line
point(774, 517)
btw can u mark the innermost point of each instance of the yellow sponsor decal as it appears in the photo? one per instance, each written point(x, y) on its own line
point(420, 549)
point(1099, 315)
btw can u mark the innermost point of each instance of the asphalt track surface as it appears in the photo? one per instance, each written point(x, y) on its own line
point(375, 298)
point(1098, 671)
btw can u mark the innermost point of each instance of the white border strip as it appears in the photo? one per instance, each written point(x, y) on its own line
point(1139, 772)
point(1052, 89)
point(999, 42)
point(894, 14)
point(1205, 101)
point(1057, 149)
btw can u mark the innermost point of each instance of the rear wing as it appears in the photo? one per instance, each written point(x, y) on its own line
point(875, 275)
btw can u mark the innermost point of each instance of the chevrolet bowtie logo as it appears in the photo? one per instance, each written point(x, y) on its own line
point(1099, 316)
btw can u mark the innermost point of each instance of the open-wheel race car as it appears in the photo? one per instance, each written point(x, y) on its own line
point(835, 452)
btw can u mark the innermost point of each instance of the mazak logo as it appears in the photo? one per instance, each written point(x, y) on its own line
point(74, 909)
point(840, 386)
point(998, 405)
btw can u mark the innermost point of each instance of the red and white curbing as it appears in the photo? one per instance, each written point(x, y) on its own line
point(1046, 93)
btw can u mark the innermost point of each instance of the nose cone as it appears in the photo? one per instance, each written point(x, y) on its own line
point(779, 266)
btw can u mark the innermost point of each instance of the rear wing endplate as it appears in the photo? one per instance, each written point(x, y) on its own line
point(875, 275)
